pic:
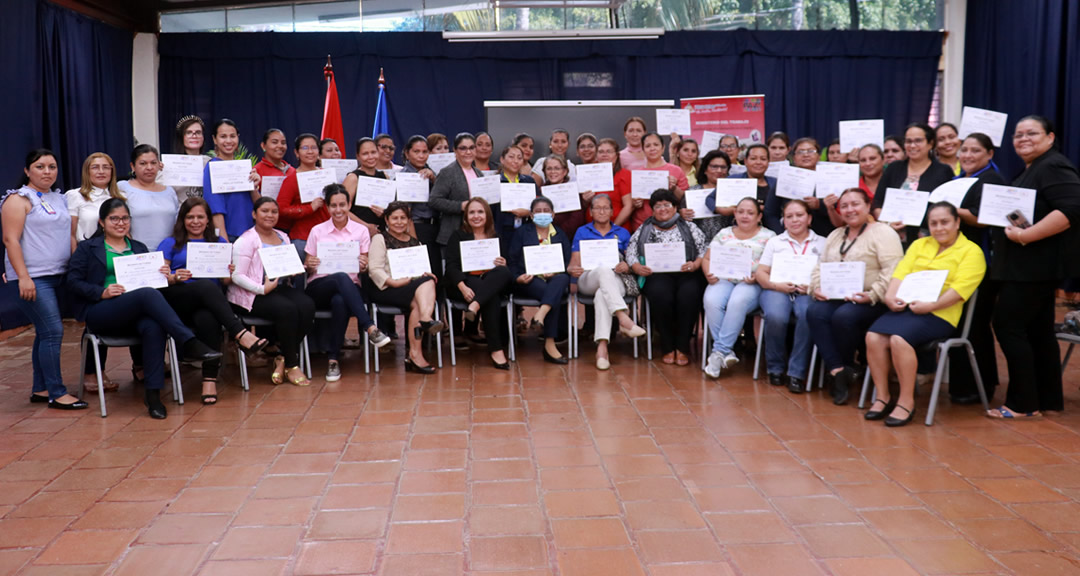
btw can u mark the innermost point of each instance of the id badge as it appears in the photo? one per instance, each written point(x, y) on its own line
point(48, 209)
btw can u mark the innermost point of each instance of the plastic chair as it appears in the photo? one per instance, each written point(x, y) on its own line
point(377, 309)
point(460, 305)
point(95, 340)
point(255, 321)
point(575, 333)
point(527, 302)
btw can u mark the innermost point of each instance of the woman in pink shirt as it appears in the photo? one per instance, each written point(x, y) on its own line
point(636, 210)
point(633, 156)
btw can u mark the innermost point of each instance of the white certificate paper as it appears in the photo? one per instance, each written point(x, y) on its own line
point(374, 192)
point(564, 197)
point(695, 200)
point(952, 191)
point(231, 176)
point(279, 261)
point(340, 166)
point(479, 254)
point(773, 171)
point(599, 253)
point(410, 262)
point(796, 183)
point(987, 122)
point(338, 257)
point(544, 259)
point(663, 257)
point(486, 187)
point(907, 206)
point(673, 120)
point(998, 201)
point(411, 187)
point(737, 170)
point(271, 186)
point(729, 191)
point(439, 161)
point(792, 268)
point(312, 182)
point(209, 260)
point(140, 271)
point(834, 178)
point(924, 286)
point(840, 280)
point(595, 177)
point(859, 133)
point(732, 262)
point(182, 170)
point(516, 197)
point(644, 182)
point(710, 141)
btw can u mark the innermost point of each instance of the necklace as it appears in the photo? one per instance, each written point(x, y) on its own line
point(844, 246)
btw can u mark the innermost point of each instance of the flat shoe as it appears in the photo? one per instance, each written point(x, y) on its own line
point(552, 359)
point(38, 399)
point(880, 414)
point(897, 422)
point(603, 364)
point(635, 332)
point(77, 405)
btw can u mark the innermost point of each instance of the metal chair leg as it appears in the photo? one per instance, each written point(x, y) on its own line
point(760, 346)
point(450, 325)
point(635, 307)
point(438, 337)
point(97, 369)
point(510, 325)
point(810, 371)
point(178, 387)
point(865, 389)
point(648, 329)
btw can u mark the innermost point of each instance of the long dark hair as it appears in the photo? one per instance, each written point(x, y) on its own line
point(181, 128)
point(32, 157)
point(107, 207)
point(180, 233)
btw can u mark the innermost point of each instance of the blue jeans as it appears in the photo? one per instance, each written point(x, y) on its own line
point(726, 307)
point(44, 312)
point(778, 308)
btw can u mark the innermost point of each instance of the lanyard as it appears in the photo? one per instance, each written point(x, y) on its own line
point(805, 246)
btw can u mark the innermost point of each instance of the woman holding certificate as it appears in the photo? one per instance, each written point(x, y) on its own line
point(329, 149)
point(729, 298)
point(527, 145)
point(548, 288)
point(555, 173)
point(672, 284)
point(636, 210)
point(437, 143)
point(714, 166)
point(188, 140)
point(1029, 262)
point(451, 190)
point(301, 216)
point(684, 153)
point(779, 146)
point(277, 300)
point(232, 211)
point(871, 167)
point(424, 221)
point(607, 150)
point(510, 163)
point(415, 294)
point(273, 162)
point(919, 171)
point(153, 206)
point(958, 266)
point(586, 148)
point(757, 163)
point(95, 278)
point(948, 146)
point(367, 157)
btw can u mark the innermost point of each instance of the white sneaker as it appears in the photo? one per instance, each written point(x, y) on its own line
point(730, 360)
point(333, 372)
point(378, 338)
point(714, 365)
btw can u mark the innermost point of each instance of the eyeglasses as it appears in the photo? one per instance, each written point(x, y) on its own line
point(119, 219)
point(387, 147)
point(914, 140)
point(1028, 135)
point(662, 205)
point(720, 167)
point(601, 208)
point(466, 148)
point(806, 152)
point(309, 148)
point(193, 133)
point(729, 146)
point(100, 168)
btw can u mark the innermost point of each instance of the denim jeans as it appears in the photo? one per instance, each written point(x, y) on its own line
point(44, 313)
point(726, 306)
point(778, 308)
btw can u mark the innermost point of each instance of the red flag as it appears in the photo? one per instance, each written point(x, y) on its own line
point(331, 124)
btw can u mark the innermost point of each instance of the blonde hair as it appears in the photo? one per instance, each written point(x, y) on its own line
point(88, 187)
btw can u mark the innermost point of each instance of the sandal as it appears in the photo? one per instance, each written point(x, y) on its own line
point(298, 381)
point(91, 387)
point(668, 358)
point(278, 375)
point(681, 359)
point(255, 348)
point(209, 399)
point(1004, 413)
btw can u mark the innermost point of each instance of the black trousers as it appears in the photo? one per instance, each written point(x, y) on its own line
point(675, 303)
point(293, 315)
point(338, 293)
point(489, 289)
point(1024, 324)
point(201, 305)
point(961, 378)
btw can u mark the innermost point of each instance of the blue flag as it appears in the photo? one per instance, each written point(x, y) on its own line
point(382, 111)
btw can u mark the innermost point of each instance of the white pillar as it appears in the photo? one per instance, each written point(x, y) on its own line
point(952, 85)
point(144, 89)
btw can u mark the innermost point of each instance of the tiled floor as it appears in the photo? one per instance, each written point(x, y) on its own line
point(644, 470)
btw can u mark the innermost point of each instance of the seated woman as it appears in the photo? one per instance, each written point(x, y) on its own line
point(109, 310)
point(838, 326)
point(480, 289)
point(728, 300)
point(604, 283)
point(417, 295)
point(674, 298)
point(277, 300)
point(894, 337)
point(780, 299)
point(714, 166)
point(199, 302)
point(339, 292)
point(549, 289)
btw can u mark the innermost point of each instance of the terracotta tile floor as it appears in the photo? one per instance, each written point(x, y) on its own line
point(644, 470)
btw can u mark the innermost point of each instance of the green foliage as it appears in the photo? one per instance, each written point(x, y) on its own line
point(242, 153)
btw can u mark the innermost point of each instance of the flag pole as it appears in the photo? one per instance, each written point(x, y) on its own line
point(328, 71)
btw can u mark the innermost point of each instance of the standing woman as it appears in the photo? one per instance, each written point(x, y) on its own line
point(386, 148)
point(685, 156)
point(558, 145)
point(557, 172)
point(273, 162)
point(424, 221)
point(1029, 263)
point(730, 145)
point(526, 144)
point(871, 167)
point(506, 223)
point(98, 185)
point(640, 211)
point(826, 218)
point(484, 149)
point(189, 140)
point(920, 171)
point(633, 156)
point(153, 206)
point(367, 157)
point(451, 190)
point(757, 164)
point(714, 166)
point(549, 289)
point(329, 149)
point(607, 150)
point(586, 148)
point(948, 146)
point(835, 154)
point(232, 212)
point(894, 149)
point(779, 146)
point(38, 243)
point(301, 216)
point(437, 143)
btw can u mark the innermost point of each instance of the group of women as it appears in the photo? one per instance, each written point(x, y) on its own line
point(105, 219)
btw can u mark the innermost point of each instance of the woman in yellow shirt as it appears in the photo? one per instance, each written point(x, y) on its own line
point(894, 337)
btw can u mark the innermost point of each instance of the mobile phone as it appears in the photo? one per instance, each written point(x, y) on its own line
point(1017, 218)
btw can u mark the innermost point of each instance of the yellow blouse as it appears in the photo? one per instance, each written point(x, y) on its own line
point(964, 260)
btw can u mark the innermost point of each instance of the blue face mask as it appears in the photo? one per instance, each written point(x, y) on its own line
point(543, 219)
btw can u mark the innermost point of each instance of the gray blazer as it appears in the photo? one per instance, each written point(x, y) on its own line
point(450, 190)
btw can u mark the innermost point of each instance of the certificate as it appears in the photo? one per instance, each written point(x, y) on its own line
point(312, 182)
point(840, 280)
point(792, 268)
point(489, 172)
point(922, 286)
point(271, 186)
point(773, 171)
point(695, 200)
point(952, 191)
point(340, 166)
point(595, 177)
point(479, 254)
point(564, 197)
point(985, 121)
point(729, 191)
point(796, 183)
point(673, 121)
point(834, 177)
point(412, 187)
point(411, 262)
point(338, 257)
point(209, 259)
point(599, 253)
point(544, 259)
point(231, 176)
point(998, 201)
point(279, 261)
point(374, 192)
point(665, 256)
point(644, 182)
point(859, 133)
point(710, 141)
point(439, 161)
point(733, 262)
point(141, 271)
point(486, 187)
point(736, 170)
point(516, 197)
point(907, 206)
point(182, 170)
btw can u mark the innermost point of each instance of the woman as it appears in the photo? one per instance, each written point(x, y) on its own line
point(757, 165)
point(893, 149)
point(556, 171)
point(730, 145)
point(780, 299)
point(526, 144)
point(835, 154)
point(919, 171)
point(633, 156)
point(339, 292)
point(871, 167)
point(684, 154)
point(329, 149)
point(510, 163)
point(367, 158)
point(607, 150)
point(838, 326)
point(189, 140)
point(714, 167)
point(437, 143)
point(425, 224)
point(586, 148)
point(38, 244)
point(451, 190)
point(826, 218)
point(232, 212)
point(948, 146)
point(481, 290)
point(608, 286)
point(301, 216)
point(779, 146)
point(288, 307)
point(674, 298)
point(895, 336)
point(484, 149)
point(638, 210)
point(558, 144)
point(274, 147)
point(728, 300)
point(417, 295)
point(109, 310)
point(98, 185)
point(386, 147)
point(1028, 264)
point(549, 289)
point(199, 302)
point(153, 206)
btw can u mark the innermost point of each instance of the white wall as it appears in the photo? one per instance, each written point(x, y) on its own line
point(144, 89)
point(952, 86)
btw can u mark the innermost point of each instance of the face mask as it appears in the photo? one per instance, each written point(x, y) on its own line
point(543, 219)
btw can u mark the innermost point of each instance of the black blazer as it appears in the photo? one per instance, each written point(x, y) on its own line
point(971, 202)
point(86, 272)
point(526, 236)
point(453, 273)
point(450, 190)
point(894, 177)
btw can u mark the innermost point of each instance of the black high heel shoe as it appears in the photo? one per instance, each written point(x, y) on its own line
point(880, 414)
point(896, 422)
point(500, 365)
point(411, 366)
point(432, 327)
